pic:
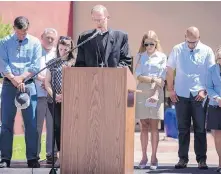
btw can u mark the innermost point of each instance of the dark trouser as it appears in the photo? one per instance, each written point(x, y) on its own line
point(8, 117)
point(185, 108)
point(57, 117)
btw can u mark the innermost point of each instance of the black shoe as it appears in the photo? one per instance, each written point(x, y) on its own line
point(218, 170)
point(4, 163)
point(33, 163)
point(49, 159)
point(181, 164)
point(202, 165)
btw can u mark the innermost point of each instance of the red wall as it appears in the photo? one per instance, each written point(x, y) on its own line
point(58, 15)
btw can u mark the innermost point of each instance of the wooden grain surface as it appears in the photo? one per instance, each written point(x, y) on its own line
point(94, 122)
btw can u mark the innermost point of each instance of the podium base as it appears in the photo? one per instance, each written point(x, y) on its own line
point(53, 171)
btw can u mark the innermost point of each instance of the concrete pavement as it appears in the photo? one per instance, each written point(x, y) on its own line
point(167, 157)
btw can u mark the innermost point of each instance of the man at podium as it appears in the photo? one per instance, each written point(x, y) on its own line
point(107, 47)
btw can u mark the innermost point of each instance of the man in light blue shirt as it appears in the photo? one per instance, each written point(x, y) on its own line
point(191, 60)
point(19, 55)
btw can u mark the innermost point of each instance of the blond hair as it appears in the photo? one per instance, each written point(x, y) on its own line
point(100, 8)
point(150, 35)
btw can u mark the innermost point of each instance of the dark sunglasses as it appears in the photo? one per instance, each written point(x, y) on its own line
point(65, 38)
point(148, 44)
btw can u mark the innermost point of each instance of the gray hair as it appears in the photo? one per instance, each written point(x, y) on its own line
point(50, 30)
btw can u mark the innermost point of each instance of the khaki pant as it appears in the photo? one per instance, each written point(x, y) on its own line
point(43, 113)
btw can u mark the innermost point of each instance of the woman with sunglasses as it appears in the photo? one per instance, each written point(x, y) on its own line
point(150, 73)
point(65, 44)
point(214, 110)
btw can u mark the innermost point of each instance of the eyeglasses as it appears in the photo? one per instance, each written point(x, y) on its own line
point(149, 44)
point(98, 20)
point(194, 43)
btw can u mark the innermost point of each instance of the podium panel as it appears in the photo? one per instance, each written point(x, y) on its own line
point(97, 135)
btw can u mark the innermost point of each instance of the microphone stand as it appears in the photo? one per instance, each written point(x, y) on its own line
point(56, 60)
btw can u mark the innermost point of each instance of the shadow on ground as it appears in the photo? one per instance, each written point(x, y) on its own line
point(168, 169)
point(21, 167)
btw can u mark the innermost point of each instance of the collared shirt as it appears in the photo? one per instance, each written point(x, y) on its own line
point(213, 84)
point(191, 68)
point(153, 66)
point(18, 57)
point(46, 57)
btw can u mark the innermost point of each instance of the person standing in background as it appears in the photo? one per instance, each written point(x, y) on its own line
point(151, 74)
point(191, 60)
point(48, 40)
point(214, 109)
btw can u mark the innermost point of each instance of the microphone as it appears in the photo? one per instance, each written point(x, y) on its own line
point(95, 34)
point(59, 58)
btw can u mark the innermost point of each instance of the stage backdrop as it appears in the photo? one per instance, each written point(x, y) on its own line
point(168, 19)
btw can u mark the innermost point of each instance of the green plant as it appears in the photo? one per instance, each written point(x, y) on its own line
point(5, 29)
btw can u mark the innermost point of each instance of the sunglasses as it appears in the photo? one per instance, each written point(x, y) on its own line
point(149, 44)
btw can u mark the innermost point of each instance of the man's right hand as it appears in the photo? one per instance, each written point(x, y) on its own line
point(43, 82)
point(219, 101)
point(173, 96)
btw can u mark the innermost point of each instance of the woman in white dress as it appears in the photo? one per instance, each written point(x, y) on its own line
point(150, 73)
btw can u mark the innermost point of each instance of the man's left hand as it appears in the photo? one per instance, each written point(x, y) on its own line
point(201, 96)
point(21, 87)
point(18, 79)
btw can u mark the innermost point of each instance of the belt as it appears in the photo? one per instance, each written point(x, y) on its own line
point(29, 81)
point(214, 106)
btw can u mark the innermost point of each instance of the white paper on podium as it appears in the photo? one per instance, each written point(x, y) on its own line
point(150, 104)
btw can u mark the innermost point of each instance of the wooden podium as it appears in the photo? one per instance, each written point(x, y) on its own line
point(98, 117)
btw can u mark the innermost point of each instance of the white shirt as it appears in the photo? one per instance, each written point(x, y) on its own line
point(191, 68)
point(153, 66)
point(47, 56)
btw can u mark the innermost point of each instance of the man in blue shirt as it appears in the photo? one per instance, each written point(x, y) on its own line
point(19, 57)
point(191, 60)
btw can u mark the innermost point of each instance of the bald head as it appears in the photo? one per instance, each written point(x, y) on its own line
point(192, 37)
point(192, 32)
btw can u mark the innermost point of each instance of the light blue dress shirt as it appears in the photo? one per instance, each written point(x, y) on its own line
point(191, 68)
point(213, 85)
point(17, 58)
point(153, 66)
